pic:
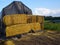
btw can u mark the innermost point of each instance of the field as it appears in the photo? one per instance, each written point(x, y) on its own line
point(51, 26)
point(40, 38)
point(49, 36)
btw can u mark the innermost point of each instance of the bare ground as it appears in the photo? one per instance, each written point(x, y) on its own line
point(39, 38)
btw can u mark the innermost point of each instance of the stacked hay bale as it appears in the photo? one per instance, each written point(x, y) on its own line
point(41, 21)
point(15, 19)
point(35, 19)
point(16, 7)
point(16, 24)
point(22, 23)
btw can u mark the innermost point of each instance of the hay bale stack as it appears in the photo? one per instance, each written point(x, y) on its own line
point(15, 19)
point(22, 23)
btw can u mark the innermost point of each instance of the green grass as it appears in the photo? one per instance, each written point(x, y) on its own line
point(52, 26)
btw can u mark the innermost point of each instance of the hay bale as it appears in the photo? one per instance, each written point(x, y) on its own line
point(9, 42)
point(7, 20)
point(19, 18)
point(17, 29)
point(40, 19)
point(14, 19)
point(34, 19)
point(36, 27)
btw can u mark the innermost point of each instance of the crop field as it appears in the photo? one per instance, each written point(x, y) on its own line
point(52, 26)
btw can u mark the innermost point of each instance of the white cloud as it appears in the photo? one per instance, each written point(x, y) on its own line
point(46, 12)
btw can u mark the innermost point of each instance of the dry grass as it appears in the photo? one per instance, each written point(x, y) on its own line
point(39, 38)
point(43, 38)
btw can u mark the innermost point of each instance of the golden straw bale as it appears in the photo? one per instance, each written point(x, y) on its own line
point(9, 42)
point(17, 29)
point(14, 19)
point(7, 20)
point(36, 26)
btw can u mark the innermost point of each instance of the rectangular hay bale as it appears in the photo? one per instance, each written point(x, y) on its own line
point(36, 27)
point(31, 19)
point(34, 19)
point(14, 19)
point(17, 19)
point(17, 29)
point(7, 20)
point(40, 19)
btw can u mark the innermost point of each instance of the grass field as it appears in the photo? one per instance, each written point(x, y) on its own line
point(52, 26)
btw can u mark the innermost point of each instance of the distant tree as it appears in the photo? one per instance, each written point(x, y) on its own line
point(51, 18)
point(48, 17)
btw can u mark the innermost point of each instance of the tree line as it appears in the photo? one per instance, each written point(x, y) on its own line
point(51, 18)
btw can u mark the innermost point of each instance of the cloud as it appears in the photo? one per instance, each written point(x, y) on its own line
point(46, 12)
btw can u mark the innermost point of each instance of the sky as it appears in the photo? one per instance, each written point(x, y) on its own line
point(38, 7)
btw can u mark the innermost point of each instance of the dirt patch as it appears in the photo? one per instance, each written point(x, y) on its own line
point(40, 38)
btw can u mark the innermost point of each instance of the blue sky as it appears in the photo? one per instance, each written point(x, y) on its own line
point(39, 7)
